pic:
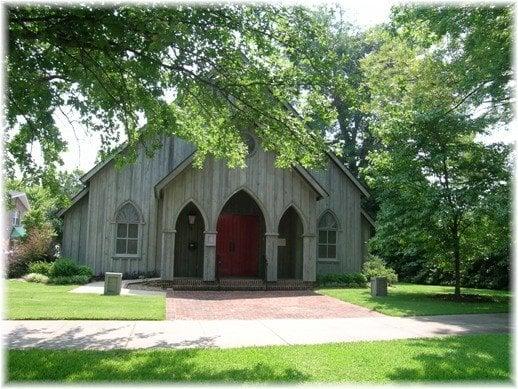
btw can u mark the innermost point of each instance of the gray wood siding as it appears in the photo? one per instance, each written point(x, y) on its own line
point(273, 189)
point(75, 223)
point(89, 228)
point(112, 186)
point(345, 202)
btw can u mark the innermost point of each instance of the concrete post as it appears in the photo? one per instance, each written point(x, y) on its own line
point(271, 239)
point(167, 260)
point(209, 256)
point(309, 265)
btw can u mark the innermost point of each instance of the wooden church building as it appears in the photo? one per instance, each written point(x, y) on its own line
point(164, 216)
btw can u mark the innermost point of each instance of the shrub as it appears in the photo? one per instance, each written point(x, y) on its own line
point(36, 277)
point(16, 265)
point(351, 280)
point(40, 267)
point(36, 246)
point(64, 267)
point(66, 280)
point(85, 271)
point(375, 267)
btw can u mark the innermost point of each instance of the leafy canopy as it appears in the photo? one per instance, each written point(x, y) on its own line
point(436, 182)
point(202, 73)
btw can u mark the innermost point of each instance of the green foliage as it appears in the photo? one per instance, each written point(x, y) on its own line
point(65, 271)
point(41, 267)
point(77, 279)
point(375, 267)
point(351, 280)
point(64, 267)
point(38, 245)
point(443, 194)
point(85, 271)
point(36, 277)
point(48, 192)
point(226, 68)
point(480, 358)
point(419, 300)
point(33, 301)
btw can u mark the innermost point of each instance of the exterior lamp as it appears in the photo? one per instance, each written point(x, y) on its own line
point(192, 218)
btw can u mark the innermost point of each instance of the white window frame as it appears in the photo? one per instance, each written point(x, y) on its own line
point(15, 220)
point(336, 230)
point(139, 224)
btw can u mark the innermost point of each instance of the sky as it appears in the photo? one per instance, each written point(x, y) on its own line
point(83, 146)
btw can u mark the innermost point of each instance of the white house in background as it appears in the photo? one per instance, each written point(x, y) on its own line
point(14, 216)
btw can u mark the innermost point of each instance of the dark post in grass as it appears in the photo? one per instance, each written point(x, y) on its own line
point(378, 286)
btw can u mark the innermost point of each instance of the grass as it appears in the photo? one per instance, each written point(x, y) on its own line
point(27, 300)
point(418, 300)
point(482, 358)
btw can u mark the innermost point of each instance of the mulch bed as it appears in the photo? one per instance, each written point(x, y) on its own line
point(466, 298)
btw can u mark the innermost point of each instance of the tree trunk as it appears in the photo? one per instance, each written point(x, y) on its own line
point(456, 257)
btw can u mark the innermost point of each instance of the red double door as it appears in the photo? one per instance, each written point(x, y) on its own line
point(237, 245)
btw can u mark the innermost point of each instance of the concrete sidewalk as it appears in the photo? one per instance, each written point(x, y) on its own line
point(103, 335)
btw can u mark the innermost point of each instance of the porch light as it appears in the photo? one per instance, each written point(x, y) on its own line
point(192, 218)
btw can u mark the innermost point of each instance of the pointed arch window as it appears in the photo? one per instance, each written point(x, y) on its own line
point(327, 235)
point(128, 222)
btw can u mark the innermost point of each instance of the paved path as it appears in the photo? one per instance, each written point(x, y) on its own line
point(259, 305)
point(238, 333)
point(97, 287)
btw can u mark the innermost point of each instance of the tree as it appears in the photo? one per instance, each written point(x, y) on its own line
point(48, 193)
point(227, 68)
point(435, 181)
point(333, 64)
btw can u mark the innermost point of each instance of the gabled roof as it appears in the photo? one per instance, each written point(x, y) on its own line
point(22, 196)
point(348, 173)
point(75, 199)
point(310, 180)
point(367, 217)
point(90, 173)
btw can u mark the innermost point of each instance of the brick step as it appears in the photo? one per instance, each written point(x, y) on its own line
point(227, 284)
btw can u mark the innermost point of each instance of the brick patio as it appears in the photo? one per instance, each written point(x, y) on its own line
point(253, 305)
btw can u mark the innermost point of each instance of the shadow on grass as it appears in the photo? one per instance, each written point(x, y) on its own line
point(406, 302)
point(467, 358)
point(139, 366)
point(474, 358)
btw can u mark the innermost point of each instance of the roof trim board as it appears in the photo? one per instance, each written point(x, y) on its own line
point(75, 199)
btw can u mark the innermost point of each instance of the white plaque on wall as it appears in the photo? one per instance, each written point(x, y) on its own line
point(281, 242)
point(210, 239)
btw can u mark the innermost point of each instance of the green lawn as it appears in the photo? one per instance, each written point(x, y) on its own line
point(415, 300)
point(483, 358)
point(27, 300)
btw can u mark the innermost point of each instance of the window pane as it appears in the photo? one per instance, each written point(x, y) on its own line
point(322, 236)
point(132, 246)
point(132, 230)
point(331, 251)
point(122, 230)
point(322, 252)
point(331, 237)
point(120, 246)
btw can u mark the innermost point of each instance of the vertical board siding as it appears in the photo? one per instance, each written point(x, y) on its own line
point(345, 202)
point(89, 228)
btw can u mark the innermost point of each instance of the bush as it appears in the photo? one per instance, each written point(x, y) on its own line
point(375, 267)
point(40, 267)
point(36, 277)
point(85, 271)
point(351, 280)
point(64, 267)
point(38, 245)
point(67, 280)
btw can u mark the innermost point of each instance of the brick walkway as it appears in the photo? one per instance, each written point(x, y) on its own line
point(245, 305)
